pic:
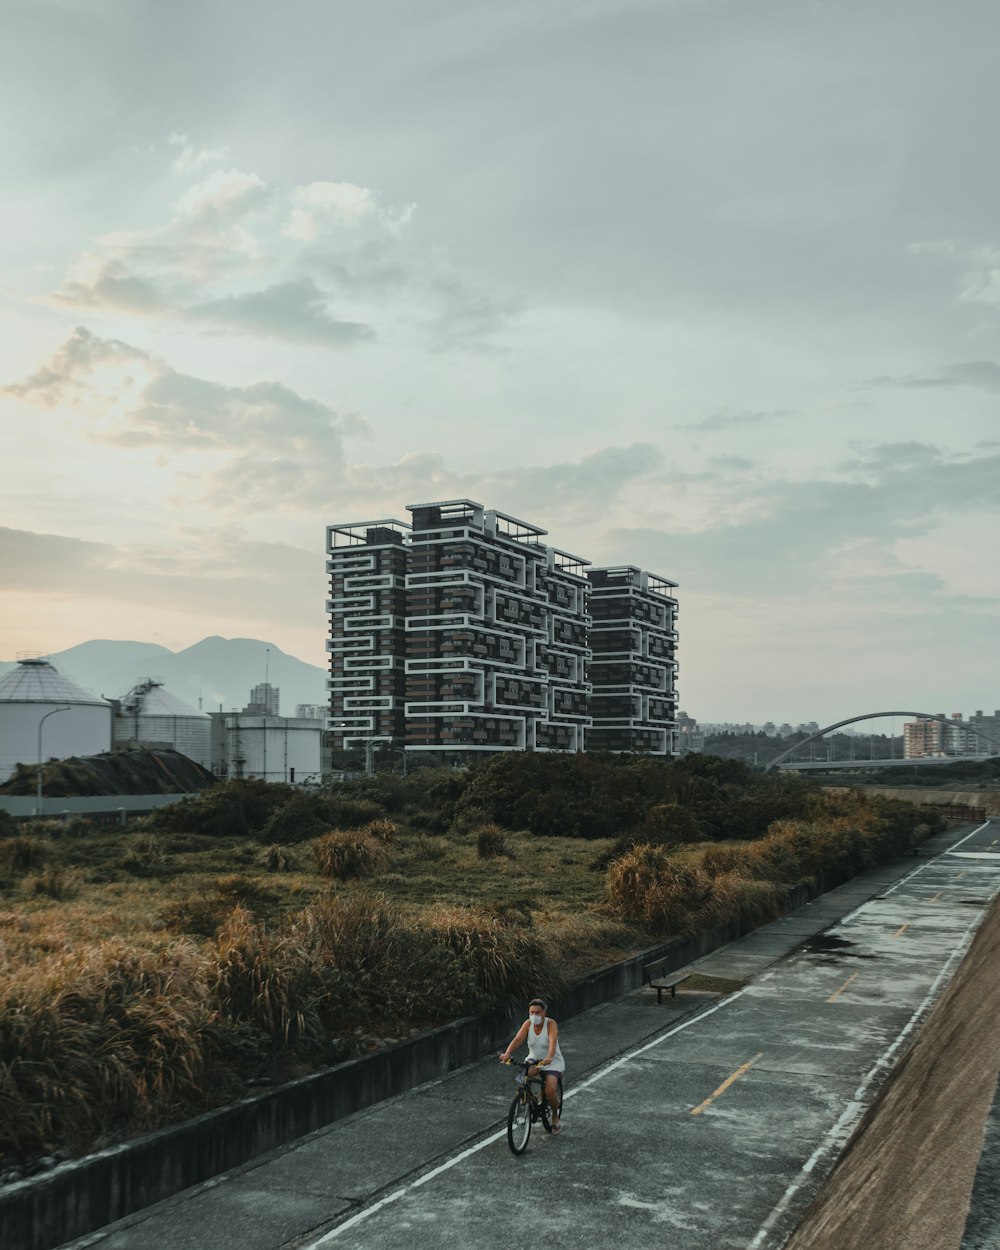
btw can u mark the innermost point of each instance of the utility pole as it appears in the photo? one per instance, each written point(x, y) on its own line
point(267, 694)
point(38, 775)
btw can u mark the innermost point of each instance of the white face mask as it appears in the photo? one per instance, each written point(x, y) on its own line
point(535, 1018)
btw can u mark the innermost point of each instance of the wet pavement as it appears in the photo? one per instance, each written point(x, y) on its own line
point(704, 1121)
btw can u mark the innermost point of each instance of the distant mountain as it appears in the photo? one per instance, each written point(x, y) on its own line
point(215, 670)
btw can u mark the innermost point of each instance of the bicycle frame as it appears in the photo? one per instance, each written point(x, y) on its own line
point(530, 1104)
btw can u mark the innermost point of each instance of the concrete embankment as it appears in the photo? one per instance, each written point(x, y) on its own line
point(988, 800)
point(905, 1180)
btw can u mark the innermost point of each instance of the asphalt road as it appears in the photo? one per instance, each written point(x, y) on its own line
point(704, 1122)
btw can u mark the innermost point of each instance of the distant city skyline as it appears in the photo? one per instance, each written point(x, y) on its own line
point(713, 289)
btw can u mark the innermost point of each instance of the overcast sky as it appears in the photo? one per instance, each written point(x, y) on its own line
point(710, 286)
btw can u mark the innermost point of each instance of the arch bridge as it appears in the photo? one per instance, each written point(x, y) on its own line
point(852, 720)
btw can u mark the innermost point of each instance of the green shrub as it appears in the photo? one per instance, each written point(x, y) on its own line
point(346, 812)
point(22, 854)
point(300, 817)
point(670, 823)
point(8, 825)
point(232, 809)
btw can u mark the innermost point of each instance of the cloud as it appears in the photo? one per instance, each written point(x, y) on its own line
point(739, 420)
point(190, 158)
point(319, 205)
point(223, 567)
point(982, 375)
point(240, 256)
point(222, 197)
point(468, 316)
point(272, 443)
point(102, 282)
point(978, 266)
point(814, 537)
point(295, 310)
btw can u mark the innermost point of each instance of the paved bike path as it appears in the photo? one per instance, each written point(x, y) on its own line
point(702, 1122)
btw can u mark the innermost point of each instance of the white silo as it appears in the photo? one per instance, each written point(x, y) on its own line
point(44, 715)
point(150, 715)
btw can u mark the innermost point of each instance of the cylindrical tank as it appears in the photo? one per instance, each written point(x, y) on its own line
point(28, 693)
point(149, 715)
point(273, 748)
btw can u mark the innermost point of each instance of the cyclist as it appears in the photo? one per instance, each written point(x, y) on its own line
point(542, 1035)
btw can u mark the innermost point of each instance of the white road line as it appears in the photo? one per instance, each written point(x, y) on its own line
point(367, 1212)
point(837, 1136)
point(909, 876)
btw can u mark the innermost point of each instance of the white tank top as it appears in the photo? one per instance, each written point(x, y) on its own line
point(538, 1046)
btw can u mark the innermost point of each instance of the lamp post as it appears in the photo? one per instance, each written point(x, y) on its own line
point(38, 776)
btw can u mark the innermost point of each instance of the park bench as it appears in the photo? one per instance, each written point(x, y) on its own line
point(657, 977)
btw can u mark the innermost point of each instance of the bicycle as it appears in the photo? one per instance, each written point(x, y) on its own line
point(529, 1105)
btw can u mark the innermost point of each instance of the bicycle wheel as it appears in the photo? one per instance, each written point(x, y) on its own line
point(519, 1125)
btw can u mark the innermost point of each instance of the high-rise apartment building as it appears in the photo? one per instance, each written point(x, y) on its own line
point(462, 632)
point(633, 638)
point(496, 632)
point(366, 564)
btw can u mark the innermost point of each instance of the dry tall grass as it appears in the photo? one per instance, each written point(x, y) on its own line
point(646, 885)
point(348, 853)
point(100, 1041)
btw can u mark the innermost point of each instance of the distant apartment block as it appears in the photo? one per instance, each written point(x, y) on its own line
point(461, 631)
point(926, 737)
point(265, 700)
point(690, 736)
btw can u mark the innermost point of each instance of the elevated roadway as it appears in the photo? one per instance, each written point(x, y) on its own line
point(707, 1121)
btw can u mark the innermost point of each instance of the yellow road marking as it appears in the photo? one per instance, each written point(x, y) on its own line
point(740, 1071)
point(901, 930)
point(937, 896)
point(837, 993)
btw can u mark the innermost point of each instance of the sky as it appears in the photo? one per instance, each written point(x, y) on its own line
point(707, 286)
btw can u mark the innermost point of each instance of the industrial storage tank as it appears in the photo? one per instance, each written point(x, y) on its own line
point(273, 748)
point(45, 715)
point(149, 715)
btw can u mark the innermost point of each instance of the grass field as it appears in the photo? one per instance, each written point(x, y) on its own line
point(151, 971)
point(147, 887)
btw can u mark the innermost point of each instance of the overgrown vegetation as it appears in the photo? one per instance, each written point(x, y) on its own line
point(261, 931)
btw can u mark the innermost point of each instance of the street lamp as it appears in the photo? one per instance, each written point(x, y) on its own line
point(38, 775)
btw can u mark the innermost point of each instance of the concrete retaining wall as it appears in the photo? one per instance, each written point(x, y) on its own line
point(78, 1197)
point(87, 805)
point(988, 800)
